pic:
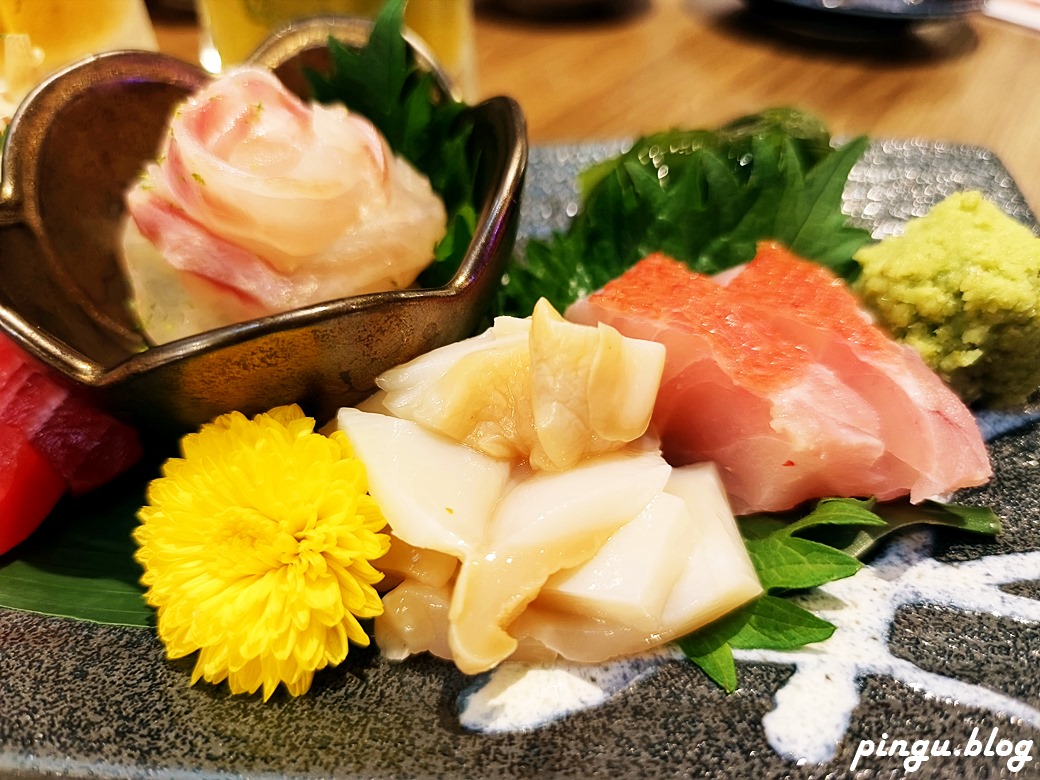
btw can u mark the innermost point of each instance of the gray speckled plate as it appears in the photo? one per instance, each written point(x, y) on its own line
point(93, 701)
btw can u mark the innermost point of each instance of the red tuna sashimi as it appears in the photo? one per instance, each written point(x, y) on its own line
point(932, 441)
point(85, 445)
point(29, 487)
point(782, 426)
point(29, 399)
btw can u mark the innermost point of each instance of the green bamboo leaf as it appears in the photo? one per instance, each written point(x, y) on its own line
point(79, 563)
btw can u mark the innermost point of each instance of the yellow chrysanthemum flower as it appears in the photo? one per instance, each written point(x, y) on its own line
point(257, 547)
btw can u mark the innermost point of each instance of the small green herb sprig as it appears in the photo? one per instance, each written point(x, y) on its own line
point(792, 554)
point(705, 197)
point(383, 82)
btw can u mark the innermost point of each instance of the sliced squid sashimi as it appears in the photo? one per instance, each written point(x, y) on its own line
point(719, 575)
point(549, 522)
point(633, 573)
point(705, 569)
point(716, 576)
point(434, 493)
point(922, 422)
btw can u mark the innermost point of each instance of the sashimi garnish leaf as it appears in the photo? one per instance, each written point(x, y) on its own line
point(896, 515)
point(789, 563)
point(710, 650)
point(813, 227)
point(382, 81)
point(768, 622)
point(794, 552)
point(79, 563)
point(704, 197)
point(772, 623)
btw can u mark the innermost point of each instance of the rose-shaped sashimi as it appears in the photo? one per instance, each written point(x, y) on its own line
point(261, 203)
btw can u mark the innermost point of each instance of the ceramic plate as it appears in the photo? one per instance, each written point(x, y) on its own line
point(939, 640)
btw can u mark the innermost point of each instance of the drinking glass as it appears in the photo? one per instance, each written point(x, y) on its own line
point(232, 29)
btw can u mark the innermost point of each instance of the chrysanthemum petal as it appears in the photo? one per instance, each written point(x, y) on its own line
point(256, 547)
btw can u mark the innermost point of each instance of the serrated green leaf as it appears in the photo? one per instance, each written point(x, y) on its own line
point(774, 623)
point(789, 563)
point(896, 515)
point(382, 81)
point(837, 512)
point(704, 197)
point(768, 622)
point(712, 653)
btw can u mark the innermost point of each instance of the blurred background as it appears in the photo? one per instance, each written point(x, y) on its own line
point(956, 71)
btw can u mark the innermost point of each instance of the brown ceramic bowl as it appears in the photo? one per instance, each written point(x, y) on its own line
point(74, 146)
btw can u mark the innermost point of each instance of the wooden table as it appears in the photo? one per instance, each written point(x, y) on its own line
point(699, 63)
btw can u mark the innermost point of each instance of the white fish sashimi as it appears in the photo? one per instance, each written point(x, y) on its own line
point(259, 197)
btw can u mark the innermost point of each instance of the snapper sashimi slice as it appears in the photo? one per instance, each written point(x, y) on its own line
point(783, 381)
point(260, 203)
point(929, 434)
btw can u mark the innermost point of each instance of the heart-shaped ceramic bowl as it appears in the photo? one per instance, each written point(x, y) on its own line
point(74, 146)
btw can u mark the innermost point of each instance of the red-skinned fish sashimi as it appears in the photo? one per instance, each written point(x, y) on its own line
point(782, 380)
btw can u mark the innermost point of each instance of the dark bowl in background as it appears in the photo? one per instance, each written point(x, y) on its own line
point(73, 148)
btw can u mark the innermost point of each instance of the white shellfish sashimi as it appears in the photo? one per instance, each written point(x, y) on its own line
point(539, 389)
point(546, 570)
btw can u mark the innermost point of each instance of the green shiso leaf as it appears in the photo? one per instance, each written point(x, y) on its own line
point(843, 531)
point(430, 129)
point(705, 197)
point(768, 622)
point(79, 563)
point(787, 562)
point(710, 649)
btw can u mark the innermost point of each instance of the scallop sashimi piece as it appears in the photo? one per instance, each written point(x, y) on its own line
point(781, 426)
point(747, 393)
point(548, 522)
point(433, 493)
point(923, 421)
point(715, 576)
point(629, 579)
point(544, 389)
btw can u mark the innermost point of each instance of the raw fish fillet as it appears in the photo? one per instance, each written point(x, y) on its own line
point(783, 381)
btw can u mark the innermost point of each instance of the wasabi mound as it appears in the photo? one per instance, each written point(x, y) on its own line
point(962, 286)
